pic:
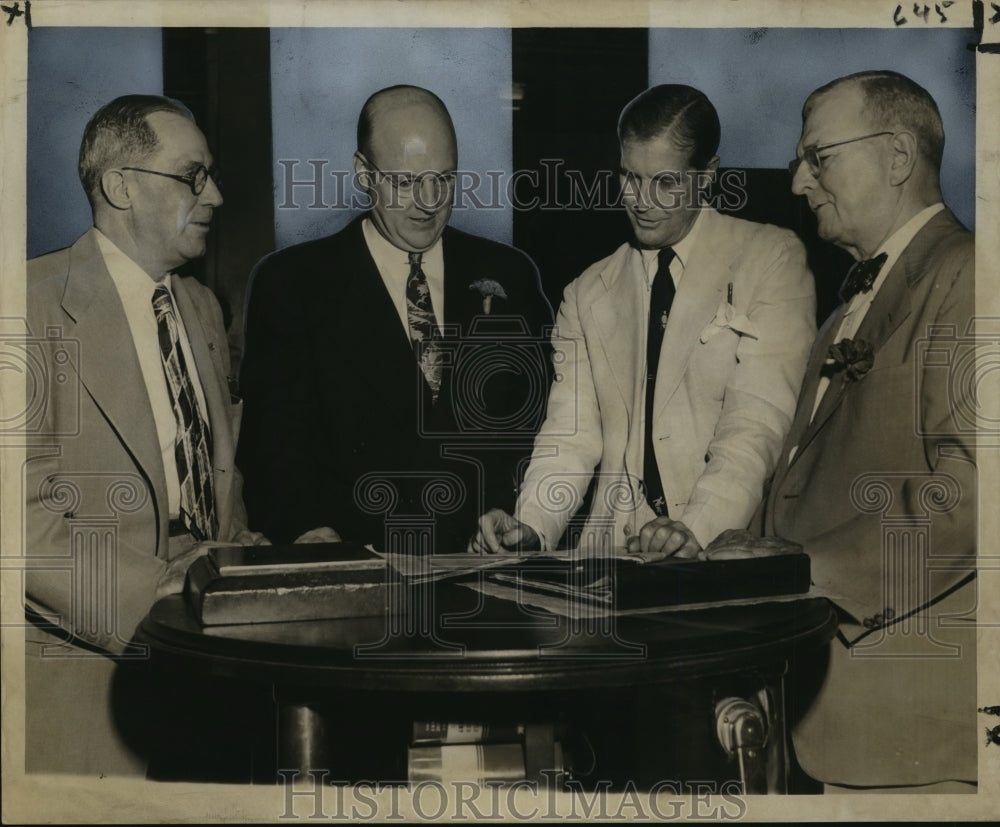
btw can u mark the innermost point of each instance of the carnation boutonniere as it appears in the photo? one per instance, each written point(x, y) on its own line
point(855, 358)
point(488, 289)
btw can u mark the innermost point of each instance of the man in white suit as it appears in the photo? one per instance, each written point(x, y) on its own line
point(678, 358)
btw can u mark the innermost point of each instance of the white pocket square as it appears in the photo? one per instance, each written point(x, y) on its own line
point(727, 318)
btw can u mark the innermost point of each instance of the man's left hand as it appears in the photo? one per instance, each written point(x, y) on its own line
point(172, 578)
point(249, 538)
point(662, 538)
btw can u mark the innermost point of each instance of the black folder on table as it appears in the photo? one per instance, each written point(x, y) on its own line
point(622, 583)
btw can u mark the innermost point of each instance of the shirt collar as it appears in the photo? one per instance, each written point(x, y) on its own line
point(894, 245)
point(129, 278)
point(385, 251)
point(682, 249)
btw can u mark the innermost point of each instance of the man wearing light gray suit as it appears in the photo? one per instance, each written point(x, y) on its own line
point(877, 478)
point(134, 471)
point(678, 358)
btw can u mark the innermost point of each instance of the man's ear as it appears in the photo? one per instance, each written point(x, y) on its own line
point(904, 157)
point(706, 178)
point(362, 171)
point(115, 189)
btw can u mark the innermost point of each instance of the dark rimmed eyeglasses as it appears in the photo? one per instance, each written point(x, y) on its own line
point(196, 180)
point(810, 154)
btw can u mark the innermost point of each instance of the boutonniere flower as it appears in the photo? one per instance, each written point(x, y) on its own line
point(726, 317)
point(488, 289)
point(855, 358)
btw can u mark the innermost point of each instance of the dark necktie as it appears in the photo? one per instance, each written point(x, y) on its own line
point(661, 297)
point(193, 445)
point(861, 277)
point(423, 326)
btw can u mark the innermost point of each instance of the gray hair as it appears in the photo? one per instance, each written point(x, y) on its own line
point(893, 101)
point(119, 134)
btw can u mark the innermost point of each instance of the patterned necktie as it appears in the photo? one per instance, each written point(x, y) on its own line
point(862, 276)
point(661, 297)
point(423, 326)
point(193, 446)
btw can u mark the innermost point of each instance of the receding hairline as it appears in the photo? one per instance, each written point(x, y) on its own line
point(126, 117)
point(855, 82)
point(889, 100)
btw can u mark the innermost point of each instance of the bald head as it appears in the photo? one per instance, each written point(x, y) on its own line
point(406, 163)
point(398, 114)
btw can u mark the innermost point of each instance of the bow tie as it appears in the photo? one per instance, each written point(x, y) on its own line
point(862, 277)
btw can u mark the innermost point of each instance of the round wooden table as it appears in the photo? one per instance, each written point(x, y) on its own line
point(473, 656)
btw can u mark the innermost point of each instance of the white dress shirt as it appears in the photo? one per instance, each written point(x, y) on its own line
point(394, 266)
point(135, 289)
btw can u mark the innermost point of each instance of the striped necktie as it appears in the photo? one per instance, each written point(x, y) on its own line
point(193, 446)
point(423, 325)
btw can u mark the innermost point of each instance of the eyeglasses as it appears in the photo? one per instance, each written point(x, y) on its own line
point(406, 183)
point(196, 180)
point(810, 154)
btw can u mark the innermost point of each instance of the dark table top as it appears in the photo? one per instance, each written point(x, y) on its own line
point(474, 642)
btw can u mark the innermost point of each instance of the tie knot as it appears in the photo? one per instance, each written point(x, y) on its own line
point(664, 257)
point(862, 276)
point(415, 259)
point(161, 299)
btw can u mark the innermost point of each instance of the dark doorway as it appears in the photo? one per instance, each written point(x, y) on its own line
point(570, 85)
point(224, 77)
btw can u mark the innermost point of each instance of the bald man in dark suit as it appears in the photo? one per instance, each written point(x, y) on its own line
point(398, 349)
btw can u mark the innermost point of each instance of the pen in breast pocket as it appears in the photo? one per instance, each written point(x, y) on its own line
point(729, 293)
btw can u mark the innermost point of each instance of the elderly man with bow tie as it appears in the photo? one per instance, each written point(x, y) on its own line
point(877, 478)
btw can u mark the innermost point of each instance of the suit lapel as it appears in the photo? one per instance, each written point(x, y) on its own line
point(698, 297)
point(800, 434)
point(461, 303)
point(890, 308)
point(373, 335)
point(109, 367)
point(620, 322)
point(211, 374)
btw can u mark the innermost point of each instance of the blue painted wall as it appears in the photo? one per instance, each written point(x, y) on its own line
point(322, 77)
point(758, 80)
point(73, 72)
